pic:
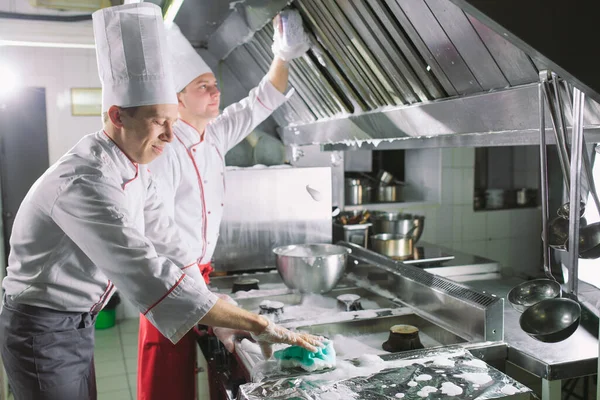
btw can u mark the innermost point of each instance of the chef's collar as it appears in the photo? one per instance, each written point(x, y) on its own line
point(188, 134)
point(126, 166)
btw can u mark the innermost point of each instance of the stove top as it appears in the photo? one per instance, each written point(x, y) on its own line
point(428, 255)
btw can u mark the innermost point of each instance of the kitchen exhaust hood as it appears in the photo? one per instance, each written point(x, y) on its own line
point(411, 73)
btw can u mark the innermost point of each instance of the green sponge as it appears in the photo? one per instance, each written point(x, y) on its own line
point(296, 356)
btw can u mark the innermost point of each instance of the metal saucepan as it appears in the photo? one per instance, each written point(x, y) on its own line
point(357, 191)
point(389, 193)
point(384, 177)
point(398, 247)
point(398, 224)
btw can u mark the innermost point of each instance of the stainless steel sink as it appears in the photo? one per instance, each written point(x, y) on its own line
point(375, 331)
point(370, 300)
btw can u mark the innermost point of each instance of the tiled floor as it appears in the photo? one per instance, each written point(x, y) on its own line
point(116, 363)
point(115, 358)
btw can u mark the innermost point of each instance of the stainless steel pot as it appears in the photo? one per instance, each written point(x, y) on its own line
point(354, 233)
point(398, 224)
point(389, 193)
point(357, 191)
point(398, 247)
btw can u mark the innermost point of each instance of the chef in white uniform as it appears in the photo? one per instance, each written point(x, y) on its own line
point(93, 222)
point(191, 178)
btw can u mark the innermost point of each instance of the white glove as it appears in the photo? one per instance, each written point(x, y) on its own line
point(227, 336)
point(278, 334)
point(289, 40)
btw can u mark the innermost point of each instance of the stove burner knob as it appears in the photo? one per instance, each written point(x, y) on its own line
point(245, 285)
point(349, 302)
point(274, 308)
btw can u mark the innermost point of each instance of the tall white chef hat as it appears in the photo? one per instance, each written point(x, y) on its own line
point(184, 59)
point(132, 56)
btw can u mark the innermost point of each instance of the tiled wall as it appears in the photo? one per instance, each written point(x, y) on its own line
point(58, 70)
point(511, 237)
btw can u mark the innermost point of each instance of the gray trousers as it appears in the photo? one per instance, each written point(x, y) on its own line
point(47, 354)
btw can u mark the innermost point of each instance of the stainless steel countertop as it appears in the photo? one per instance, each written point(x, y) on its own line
point(574, 357)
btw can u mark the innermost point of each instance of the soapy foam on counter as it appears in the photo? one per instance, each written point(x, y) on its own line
point(476, 363)
point(477, 378)
point(451, 389)
point(426, 390)
point(423, 377)
point(442, 362)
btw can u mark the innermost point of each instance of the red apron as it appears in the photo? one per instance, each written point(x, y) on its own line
point(167, 370)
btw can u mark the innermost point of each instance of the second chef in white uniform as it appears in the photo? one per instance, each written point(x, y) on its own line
point(191, 178)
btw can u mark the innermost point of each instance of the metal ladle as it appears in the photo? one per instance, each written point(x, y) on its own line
point(527, 294)
point(554, 320)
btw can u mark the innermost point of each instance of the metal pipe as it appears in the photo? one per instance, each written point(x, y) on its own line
point(561, 120)
point(564, 166)
point(587, 166)
point(544, 180)
point(575, 193)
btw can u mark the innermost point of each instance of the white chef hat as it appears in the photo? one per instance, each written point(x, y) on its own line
point(184, 59)
point(132, 58)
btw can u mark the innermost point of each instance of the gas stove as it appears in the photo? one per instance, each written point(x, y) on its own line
point(349, 314)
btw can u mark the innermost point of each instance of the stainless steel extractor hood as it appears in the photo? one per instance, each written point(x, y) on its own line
point(399, 73)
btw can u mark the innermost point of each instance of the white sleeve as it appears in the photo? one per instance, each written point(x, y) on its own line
point(90, 211)
point(163, 232)
point(239, 119)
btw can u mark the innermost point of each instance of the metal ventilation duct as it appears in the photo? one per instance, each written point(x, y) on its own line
point(394, 69)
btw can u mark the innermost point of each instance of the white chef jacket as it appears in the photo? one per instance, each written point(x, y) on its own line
point(191, 172)
point(93, 222)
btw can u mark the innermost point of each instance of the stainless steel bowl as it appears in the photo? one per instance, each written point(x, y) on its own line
point(529, 293)
point(551, 320)
point(311, 268)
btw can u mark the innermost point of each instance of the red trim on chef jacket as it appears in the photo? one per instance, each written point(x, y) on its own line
point(201, 186)
point(165, 295)
point(167, 370)
point(100, 304)
point(263, 104)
